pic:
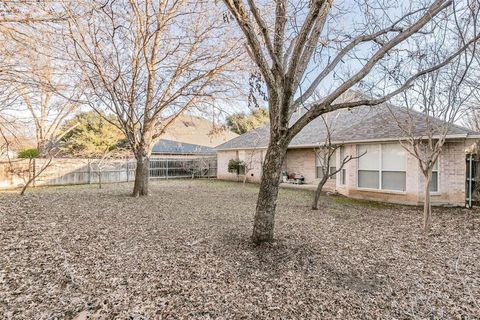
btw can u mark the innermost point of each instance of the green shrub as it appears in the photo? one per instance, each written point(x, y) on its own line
point(28, 153)
point(234, 166)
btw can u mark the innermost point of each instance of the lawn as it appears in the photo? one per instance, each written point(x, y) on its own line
point(184, 252)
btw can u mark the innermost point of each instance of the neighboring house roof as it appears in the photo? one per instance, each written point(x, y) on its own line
point(174, 147)
point(197, 130)
point(360, 124)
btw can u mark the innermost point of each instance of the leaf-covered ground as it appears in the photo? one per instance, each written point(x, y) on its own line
point(184, 253)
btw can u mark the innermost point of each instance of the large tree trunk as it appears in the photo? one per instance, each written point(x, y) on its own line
point(267, 197)
point(316, 196)
point(427, 208)
point(142, 174)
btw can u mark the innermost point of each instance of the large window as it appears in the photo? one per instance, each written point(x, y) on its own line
point(319, 165)
point(382, 167)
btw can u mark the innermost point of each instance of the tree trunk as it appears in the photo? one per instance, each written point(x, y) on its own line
point(267, 197)
point(427, 208)
point(142, 173)
point(316, 196)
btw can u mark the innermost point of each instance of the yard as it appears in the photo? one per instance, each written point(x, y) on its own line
point(184, 252)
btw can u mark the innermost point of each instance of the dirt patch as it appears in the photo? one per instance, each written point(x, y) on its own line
point(184, 252)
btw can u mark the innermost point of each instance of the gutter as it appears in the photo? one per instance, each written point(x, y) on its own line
point(301, 146)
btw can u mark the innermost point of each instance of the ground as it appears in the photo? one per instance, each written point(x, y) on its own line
point(184, 253)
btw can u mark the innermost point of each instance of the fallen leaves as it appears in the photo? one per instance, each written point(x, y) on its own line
point(184, 253)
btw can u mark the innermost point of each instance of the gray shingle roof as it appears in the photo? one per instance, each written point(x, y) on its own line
point(164, 146)
point(358, 124)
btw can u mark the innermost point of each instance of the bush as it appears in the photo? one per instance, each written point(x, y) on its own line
point(28, 153)
point(234, 166)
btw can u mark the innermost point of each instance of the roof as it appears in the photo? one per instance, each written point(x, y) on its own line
point(360, 124)
point(197, 130)
point(164, 146)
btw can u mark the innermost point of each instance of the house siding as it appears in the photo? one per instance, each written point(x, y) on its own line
point(253, 158)
point(302, 161)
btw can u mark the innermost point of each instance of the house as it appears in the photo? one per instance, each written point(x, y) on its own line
point(385, 172)
point(169, 148)
point(198, 131)
point(191, 136)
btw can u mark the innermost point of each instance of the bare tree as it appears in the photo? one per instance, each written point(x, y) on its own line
point(297, 48)
point(196, 166)
point(47, 99)
point(147, 62)
point(108, 161)
point(434, 103)
point(32, 72)
point(325, 154)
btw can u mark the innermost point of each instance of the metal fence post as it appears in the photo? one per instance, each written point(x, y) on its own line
point(166, 171)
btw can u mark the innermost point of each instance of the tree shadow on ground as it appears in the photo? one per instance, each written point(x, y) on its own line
point(296, 258)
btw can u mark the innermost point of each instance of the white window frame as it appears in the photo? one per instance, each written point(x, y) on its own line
point(380, 170)
point(333, 177)
point(438, 177)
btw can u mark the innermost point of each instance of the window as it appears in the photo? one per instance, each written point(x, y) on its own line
point(333, 166)
point(343, 172)
point(382, 167)
point(369, 166)
point(393, 167)
point(434, 181)
point(319, 165)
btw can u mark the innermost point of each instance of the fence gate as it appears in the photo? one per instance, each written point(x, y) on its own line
point(472, 185)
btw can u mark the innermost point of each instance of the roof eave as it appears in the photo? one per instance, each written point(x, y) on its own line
point(299, 146)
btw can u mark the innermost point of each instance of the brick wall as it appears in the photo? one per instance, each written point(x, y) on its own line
point(451, 179)
point(252, 158)
point(302, 161)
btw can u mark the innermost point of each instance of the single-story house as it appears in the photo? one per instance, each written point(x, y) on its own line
point(197, 130)
point(169, 148)
point(385, 172)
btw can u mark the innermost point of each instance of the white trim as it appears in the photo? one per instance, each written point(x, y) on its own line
point(380, 169)
point(381, 190)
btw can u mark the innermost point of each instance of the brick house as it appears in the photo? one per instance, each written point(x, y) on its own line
point(386, 171)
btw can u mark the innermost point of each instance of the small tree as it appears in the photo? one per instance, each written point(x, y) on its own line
point(195, 166)
point(324, 154)
point(31, 154)
point(108, 160)
point(441, 97)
